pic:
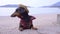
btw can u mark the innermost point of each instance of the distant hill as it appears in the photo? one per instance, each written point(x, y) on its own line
point(13, 5)
point(10, 5)
point(56, 5)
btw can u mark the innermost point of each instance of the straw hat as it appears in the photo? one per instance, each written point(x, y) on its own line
point(21, 5)
point(24, 6)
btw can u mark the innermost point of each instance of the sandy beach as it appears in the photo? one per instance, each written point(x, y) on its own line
point(46, 24)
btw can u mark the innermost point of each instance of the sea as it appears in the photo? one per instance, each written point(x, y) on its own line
point(7, 11)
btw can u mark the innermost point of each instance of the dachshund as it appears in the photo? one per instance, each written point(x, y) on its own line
point(26, 20)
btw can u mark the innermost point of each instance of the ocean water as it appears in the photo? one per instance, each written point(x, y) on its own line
point(6, 11)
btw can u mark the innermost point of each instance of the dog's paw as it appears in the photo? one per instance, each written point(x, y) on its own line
point(21, 29)
point(34, 28)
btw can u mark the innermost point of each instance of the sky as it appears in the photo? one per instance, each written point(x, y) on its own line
point(34, 3)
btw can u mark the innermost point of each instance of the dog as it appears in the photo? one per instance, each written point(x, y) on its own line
point(26, 20)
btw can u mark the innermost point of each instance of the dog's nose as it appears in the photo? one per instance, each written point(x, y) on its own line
point(13, 15)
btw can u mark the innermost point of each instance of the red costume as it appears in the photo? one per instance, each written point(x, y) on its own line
point(25, 25)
